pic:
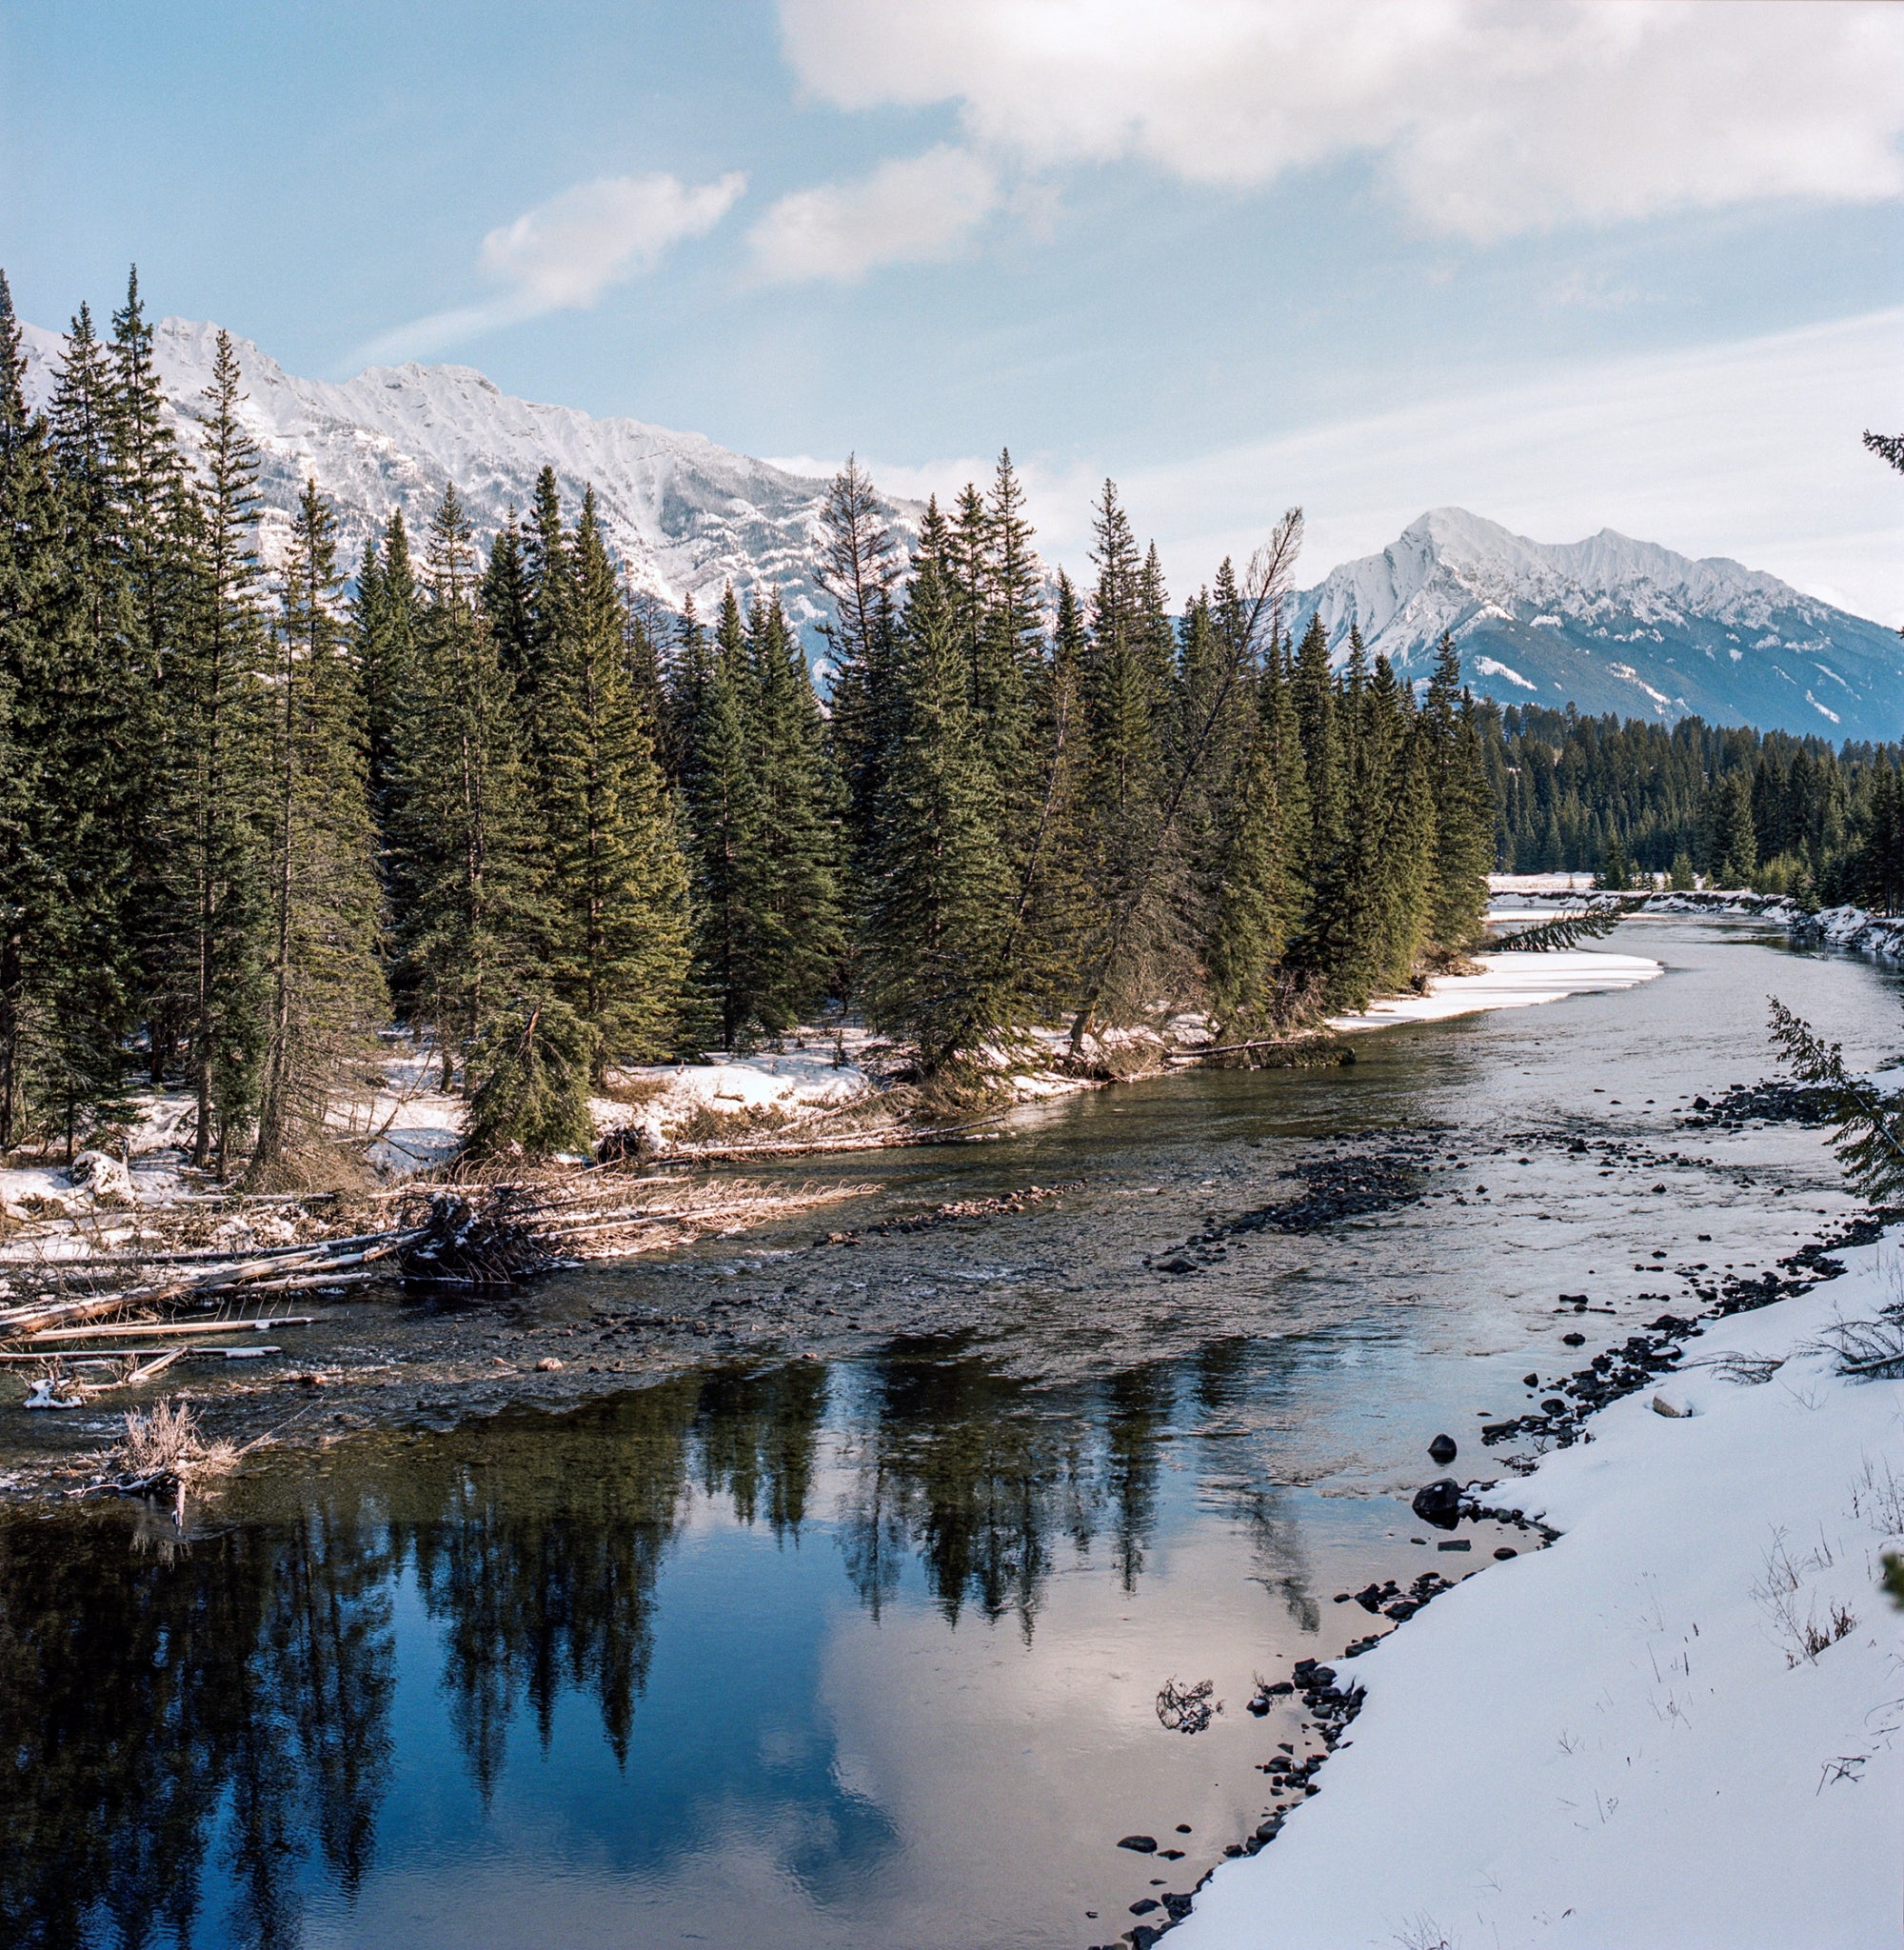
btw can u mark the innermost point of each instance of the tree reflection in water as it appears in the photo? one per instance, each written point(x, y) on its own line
point(219, 1712)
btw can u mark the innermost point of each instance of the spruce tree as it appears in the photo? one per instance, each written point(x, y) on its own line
point(726, 810)
point(327, 999)
point(796, 898)
point(1464, 807)
point(1050, 848)
point(472, 916)
point(213, 804)
point(30, 894)
point(385, 619)
point(1262, 891)
point(619, 946)
point(940, 897)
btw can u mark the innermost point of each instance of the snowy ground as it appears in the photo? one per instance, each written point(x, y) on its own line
point(1512, 982)
point(1622, 1743)
point(752, 1091)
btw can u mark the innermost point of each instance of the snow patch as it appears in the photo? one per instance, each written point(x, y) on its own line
point(1493, 666)
point(1621, 1743)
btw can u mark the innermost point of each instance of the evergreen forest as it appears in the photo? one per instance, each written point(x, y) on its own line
point(1696, 804)
point(255, 822)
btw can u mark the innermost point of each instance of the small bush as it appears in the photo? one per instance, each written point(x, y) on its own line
point(535, 1063)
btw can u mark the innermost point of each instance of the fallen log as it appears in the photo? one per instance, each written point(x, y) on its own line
point(151, 1327)
point(898, 1137)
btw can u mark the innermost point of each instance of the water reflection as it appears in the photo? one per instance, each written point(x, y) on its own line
point(221, 1710)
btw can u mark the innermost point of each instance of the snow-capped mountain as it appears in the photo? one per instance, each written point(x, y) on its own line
point(683, 515)
point(1607, 623)
point(1614, 624)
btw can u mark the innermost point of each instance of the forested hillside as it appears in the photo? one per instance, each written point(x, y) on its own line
point(1739, 806)
point(248, 821)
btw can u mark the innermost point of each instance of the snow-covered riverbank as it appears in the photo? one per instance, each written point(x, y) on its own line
point(1509, 980)
point(1682, 1728)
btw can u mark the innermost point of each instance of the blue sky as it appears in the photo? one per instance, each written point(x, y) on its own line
point(1572, 266)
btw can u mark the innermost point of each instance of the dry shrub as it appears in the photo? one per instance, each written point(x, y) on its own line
point(167, 1440)
point(618, 1087)
point(707, 1126)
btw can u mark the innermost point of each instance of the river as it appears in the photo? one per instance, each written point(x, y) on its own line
point(865, 1649)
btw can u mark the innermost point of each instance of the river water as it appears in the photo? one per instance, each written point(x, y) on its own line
point(865, 1650)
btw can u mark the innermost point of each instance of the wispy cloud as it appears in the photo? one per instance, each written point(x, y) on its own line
point(1485, 118)
point(908, 212)
point(563, 254)
point(1747, 449)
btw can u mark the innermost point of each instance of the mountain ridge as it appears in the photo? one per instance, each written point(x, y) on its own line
point(1611, 624)
point(1607, 623)
point(683, 514)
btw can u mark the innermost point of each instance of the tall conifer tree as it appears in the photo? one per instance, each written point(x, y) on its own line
point(618, 882)
point(327, 999)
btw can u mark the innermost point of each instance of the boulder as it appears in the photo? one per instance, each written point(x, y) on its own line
point(1439, 1503)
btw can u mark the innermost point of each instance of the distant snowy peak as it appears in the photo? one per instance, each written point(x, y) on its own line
point(1449, 568)
point(683, 515)
point(1612, 624)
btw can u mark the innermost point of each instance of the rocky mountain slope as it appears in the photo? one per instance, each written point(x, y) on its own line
point(683, 515)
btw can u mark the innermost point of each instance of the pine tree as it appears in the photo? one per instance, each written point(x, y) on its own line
point(1464, 807)
point(1314, 695)
point(31, 896)
point(472, 915)
point(1051, 917)
point(326, 980)
point(213, 806)
point(1262, 891)
point(796, 903)
point(1734, 842)
point(941, 896)
point(618, 882)
point(1130, 879)
point(726, 810)
point(384, 617)
point(860, 569)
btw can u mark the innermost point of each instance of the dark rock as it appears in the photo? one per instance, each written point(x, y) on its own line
point(1506, 1550)
point(1553, 1405)
point(1455, 1543)
point(1142, 1938)
point(1183, 1828)
point(1575, 1339)
point(1443, 1450)
point(1281, 1690)
point(1170, 1854)
point(1179, 1265)
point(1529, 1381)
point(1438, 1504)
point(1141, 1845)
point(1178, 1907)
point(1145, 1904)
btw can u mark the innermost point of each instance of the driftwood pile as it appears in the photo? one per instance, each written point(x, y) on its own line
point(120, 1318)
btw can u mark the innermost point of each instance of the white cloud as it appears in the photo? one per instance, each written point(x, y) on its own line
point(1748, 450)
point(563, 254)
point(913, 210)
point(1486, 117)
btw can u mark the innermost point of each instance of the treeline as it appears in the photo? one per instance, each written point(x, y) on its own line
point(1741, 807)
point(248, 821)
